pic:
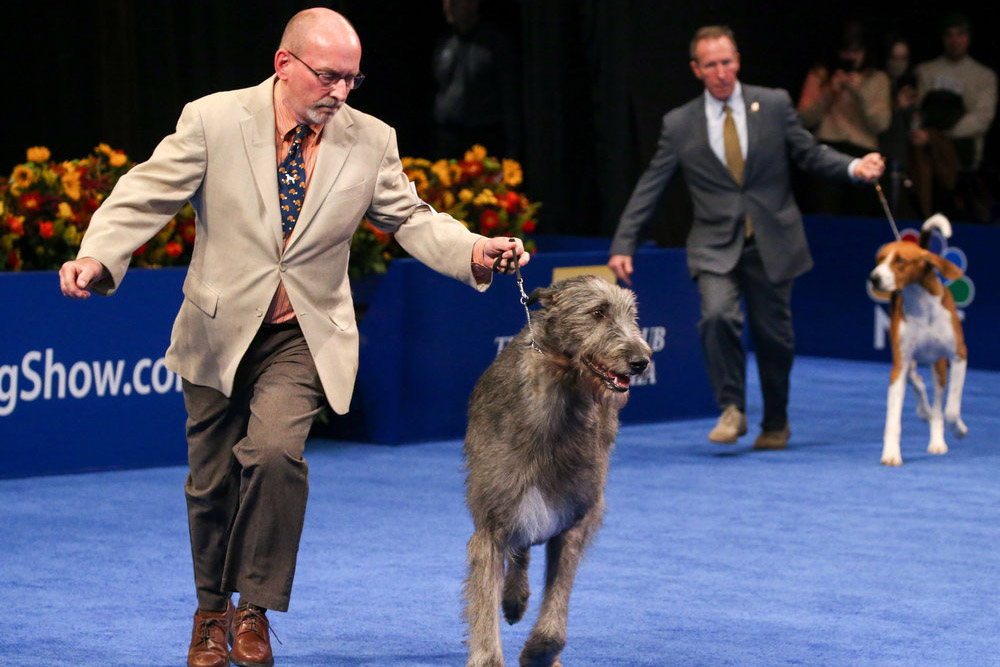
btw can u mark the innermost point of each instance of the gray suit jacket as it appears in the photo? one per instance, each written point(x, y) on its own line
point(775, 138)
point(223, 159)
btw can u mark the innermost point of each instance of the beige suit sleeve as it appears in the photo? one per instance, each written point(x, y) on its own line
point(145, 199)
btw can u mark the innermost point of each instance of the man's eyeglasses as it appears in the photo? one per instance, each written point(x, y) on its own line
point(330, 79)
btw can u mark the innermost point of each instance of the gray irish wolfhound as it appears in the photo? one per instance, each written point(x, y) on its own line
point(542, 423)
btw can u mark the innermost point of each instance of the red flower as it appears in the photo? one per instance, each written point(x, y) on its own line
point(140, 250)
point(174, 249)
point(187, 232)
point(472, 168)
point(16, 226)
point(30, 201)
point(510, 201)
point(13, 260)
point(489, 219)
point(528, 226)
point(45, 229)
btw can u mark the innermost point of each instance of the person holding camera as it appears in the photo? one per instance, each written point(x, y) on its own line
point(845, 104)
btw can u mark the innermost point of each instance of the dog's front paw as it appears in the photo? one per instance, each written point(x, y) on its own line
point(937, 448)
point(540, 651)
point(513, 608)
point(892, 460)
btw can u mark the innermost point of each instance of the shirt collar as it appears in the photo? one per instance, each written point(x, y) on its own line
point(735, 101)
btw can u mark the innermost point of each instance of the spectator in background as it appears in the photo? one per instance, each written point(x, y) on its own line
point(477, 98)
point(958, 102)
point(845, 103)
point(895, 141)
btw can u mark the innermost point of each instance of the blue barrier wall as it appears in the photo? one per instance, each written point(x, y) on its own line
point(83, 387)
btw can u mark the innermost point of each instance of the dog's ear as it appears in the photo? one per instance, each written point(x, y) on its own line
point(948, 269)
point(543, 295)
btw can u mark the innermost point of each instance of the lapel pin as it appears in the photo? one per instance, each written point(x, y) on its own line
point(754, 107)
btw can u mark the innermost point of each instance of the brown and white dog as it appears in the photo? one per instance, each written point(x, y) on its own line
point(924, 328)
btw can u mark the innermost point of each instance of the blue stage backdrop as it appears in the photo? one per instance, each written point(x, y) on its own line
point(83, 386)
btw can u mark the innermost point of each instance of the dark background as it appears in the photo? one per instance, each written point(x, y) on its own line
point(596, 76)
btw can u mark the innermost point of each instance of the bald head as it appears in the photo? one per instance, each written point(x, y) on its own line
point(319, 27)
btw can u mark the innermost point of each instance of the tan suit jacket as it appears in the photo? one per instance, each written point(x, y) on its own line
point(223, 159)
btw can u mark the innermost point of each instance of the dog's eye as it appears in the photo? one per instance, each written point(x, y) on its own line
point(598, 313)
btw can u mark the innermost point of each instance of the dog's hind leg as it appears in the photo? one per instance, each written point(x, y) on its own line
point(937, 445)
point(920, 391)
point(515, 585)
point(562, 555)
point(953, 406)
point(482, 600)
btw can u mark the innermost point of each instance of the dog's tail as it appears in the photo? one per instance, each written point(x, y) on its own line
point(937, 221)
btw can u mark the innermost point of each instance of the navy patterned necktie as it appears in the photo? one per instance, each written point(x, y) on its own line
point(292, 182)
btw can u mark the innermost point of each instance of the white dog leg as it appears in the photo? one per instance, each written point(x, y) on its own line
point(953, 407)
point(937, 445)
point(893, 414)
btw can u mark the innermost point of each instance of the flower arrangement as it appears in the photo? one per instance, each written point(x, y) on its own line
point(46, 206)
point(479, 190)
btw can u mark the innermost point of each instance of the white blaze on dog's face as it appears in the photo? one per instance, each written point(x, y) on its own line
point(904, 263)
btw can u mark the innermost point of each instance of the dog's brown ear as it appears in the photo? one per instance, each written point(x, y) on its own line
point(543, 295)
point(948, 269)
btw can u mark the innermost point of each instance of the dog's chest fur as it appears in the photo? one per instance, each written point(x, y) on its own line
point(926, 330)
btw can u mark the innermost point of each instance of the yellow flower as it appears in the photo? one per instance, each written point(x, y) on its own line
point(38, 154)
point(104, 148)
point(441, 170)
point(512, 175)
point(21, 179)
point(477, 154)
point(485, 198)
point(71, 181)
point(65, 210)
point(407, 161)
point(419, 177)
point(449, 199)
point(118, 159)
point(465, 195)
point(421, 163)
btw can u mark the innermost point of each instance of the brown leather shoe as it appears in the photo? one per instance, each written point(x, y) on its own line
point(210, 638)
point(772, 439)
point(251, 644)
point(731, 425)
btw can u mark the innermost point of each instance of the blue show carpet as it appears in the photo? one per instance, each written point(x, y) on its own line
point(710, 555)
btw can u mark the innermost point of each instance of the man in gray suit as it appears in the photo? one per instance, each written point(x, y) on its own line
point(734, 145)
point(280, 175)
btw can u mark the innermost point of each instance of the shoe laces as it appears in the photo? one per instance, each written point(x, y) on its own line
point(206, 628)
point(251, 615)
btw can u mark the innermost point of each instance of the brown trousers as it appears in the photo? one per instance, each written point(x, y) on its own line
point(248, 481)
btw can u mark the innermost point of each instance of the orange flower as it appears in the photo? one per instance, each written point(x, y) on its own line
point(117, 159)
point(528, 226)
point(38, 154)
point(45, 229)
point(174, 249)
point(16, 226)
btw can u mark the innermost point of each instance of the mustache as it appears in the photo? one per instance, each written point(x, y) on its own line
point(333, 104)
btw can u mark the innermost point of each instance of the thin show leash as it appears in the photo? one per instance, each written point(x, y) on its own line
point(524, 297)
point(885, 207)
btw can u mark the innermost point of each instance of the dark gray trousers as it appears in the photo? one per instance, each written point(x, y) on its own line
point(768, 307)
point(248, 481)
